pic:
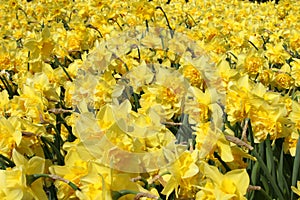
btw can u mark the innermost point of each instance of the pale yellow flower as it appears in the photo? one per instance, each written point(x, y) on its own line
point(296, 190)
point(232, 185)
point(10, 138)
point(14, 183)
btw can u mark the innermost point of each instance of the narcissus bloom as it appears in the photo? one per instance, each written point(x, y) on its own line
point(41, 47)
point(14, 181)
point(296, 190)
point(9, 137)
point(232, 185)
point(183, 170)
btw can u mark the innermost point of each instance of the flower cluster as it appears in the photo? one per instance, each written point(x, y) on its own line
point(149, 99)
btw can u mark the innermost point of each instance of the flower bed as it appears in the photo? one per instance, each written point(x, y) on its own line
point(149, 99)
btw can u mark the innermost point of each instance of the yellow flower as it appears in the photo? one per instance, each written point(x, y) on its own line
point(144, 10)
point(13, 4)
point(198, 107)
point(295, 114)
point(236, 41)
point(253, 64)
point(239, 156)
point(30, 103)
point(99, 58)
point(225, 72)
point(104, 90)
point(183, 170)
point(296, 190)
point(238, 100)
point(269, 120)
point(81, 93)
point(73, 41)
point(294, 40)
point(73, 170)
point(140, 76)
point(296, 71)
point(96, 184)
point(232, 185)
point(4, 102)
point(41, 84)
point(41, 47)
point(208, 141)
point(92, 177)
point(9, 137)
point(130, 138)
point(5, 60)
point(194, 76)
point(276, 53)
point(283, 80)
point(290, 143)
point(14, 185)
point(167, 93)
point(266, 76)
point(30, 143)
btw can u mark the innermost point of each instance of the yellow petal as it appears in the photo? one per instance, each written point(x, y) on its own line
point(241, 179)
point(225, 149)
point(36, 165)
point(170, 186)
point(213, 173)
point(192, 171)
point(18, 159)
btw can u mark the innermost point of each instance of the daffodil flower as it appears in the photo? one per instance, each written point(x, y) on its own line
point(296, 190)
point(15, 185)
point(232, 185)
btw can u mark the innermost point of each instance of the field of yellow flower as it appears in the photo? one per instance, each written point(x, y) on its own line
point(177, 99)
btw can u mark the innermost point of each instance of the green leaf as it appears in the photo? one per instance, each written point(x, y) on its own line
point(118, 194)
point(33, 177)
point(296, 166)
point(268, 175)
point(263, 195)
point(265, 169)
point(282, 183)
point(60, 157)
point(265, 184)
point(255, 173)
point(5, 162)
point(270, 157)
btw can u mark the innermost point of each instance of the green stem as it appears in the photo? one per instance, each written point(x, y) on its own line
point(136, 102)
point(253, 45)
point(147, 25)
point(60, 158)
point(269, 176)
point(138, 49)
point(7, 162)
point(115, 21)
point(165, 173)
point(270, 157)
point(7, 86)
point(33, 177)
point(96, 29)
point(191, 18)
point(59, 64)
point(118, 194)
point(28, 64)
point(168, 23)
point(265, 194)
point(118, 58)
point(296, 166)
point(265, 169)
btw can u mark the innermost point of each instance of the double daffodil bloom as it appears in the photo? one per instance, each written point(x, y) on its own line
point(218, 186)
point(15, 183)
